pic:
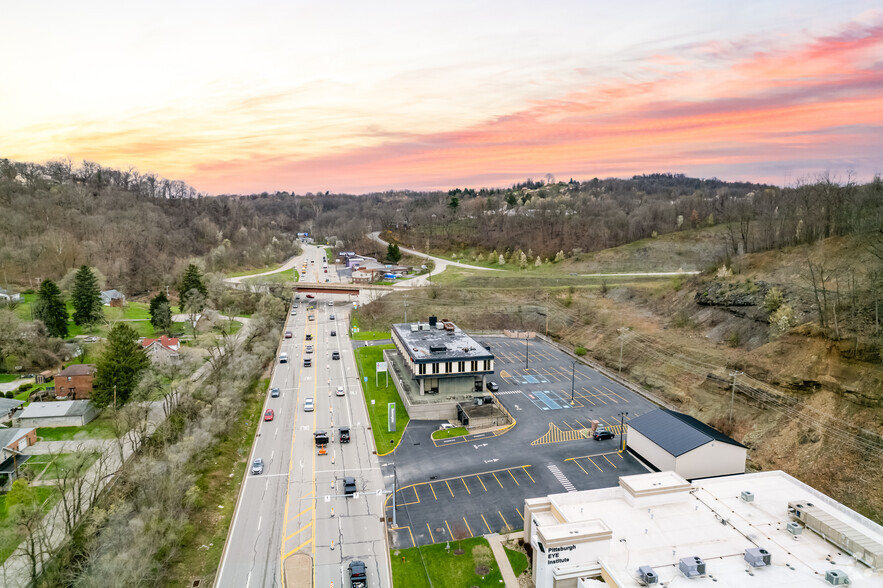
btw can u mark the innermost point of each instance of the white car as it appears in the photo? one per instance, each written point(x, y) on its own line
point(340, 391)
point(309, 348)
point(308, 405)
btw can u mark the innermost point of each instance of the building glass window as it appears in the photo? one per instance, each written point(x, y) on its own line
point(421, 369)
point(449, 368)
point(474, 366)
point(436, 367)
point(461, 366)
point(487, 365)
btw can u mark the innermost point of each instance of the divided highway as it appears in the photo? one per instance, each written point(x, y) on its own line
point(293, 525)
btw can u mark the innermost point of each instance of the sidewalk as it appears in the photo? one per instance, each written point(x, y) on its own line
point(496, 543)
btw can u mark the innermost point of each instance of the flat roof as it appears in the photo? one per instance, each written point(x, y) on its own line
point(433, 344)
point(687, 522)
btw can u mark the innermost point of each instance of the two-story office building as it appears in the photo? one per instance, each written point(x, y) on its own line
point(441, 358)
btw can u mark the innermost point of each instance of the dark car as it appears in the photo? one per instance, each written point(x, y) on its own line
point(310, 296)
point(334, 333)
point(274, 392)
point(344, 434)
point(358, 575)
point(335, 355)
point(602, 433)
point(288, 335)
point(268, 416)
point(349, 486)
point(309, 337)
point(493, 386)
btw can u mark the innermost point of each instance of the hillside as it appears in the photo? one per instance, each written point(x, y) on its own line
point(809, 401)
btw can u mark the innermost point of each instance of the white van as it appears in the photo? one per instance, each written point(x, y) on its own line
point(283, 357)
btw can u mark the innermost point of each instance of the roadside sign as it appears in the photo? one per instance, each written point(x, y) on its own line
point(391, 416)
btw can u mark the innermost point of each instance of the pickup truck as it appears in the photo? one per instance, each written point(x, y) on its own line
point(358, 577)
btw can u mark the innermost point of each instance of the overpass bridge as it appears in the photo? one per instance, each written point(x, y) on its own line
point(321, 288)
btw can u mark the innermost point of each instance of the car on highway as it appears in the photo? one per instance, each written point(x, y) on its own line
point(308, 404)
point(308, 362)
point(334, 333)
point(268, 416)
point(283, 357)
point(335, 355)
point(311, 296)
point(602, 433)
point(493, 386)
point(274, 392)
point(326, 271)
point(358, 574)
point(309, 348)
point(257, 466)
point(344, 435)
point(312, 318)
point(349, 485)
point(340, 391)
point(330, 303)
point(293, 313)
point(309, 337)
point(288, 335)
point(331, 317)
point(327, 280)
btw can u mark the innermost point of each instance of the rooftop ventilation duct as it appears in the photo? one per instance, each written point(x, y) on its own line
point(747, 496)
point(692, 567)
point(647, 575)
point(757, 557)
point(836, 578)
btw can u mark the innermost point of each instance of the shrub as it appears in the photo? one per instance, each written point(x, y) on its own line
point(10, 394)
point(773, 300)
point(782, 320)
point(734, 339)
point(581, 351)
point(24, 387)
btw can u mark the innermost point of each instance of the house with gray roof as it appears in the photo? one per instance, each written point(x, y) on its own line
point(9, 296)
point(113, 298)
point(672, 441)
point(62, 413)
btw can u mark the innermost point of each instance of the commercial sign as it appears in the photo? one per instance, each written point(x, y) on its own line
point(557, 554)
point(381, 366)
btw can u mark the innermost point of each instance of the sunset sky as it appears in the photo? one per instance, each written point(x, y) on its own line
point(241, 97)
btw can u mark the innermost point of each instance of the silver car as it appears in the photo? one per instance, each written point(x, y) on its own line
point(308, 405)
point(257, 467)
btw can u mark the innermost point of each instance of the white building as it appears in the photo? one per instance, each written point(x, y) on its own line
point(65, 413)
point(672, 441)
point(763, 530)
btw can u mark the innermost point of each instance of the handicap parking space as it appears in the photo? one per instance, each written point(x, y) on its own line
point(462, 507)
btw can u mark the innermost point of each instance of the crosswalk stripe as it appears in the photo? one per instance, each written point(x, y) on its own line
point(561, 478)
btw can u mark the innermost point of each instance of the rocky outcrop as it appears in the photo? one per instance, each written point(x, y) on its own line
point(747, 293)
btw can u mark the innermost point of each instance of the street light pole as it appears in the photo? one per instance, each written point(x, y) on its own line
point(394, 483)
point(572, 379)
point(622, 416)
point(527, 349)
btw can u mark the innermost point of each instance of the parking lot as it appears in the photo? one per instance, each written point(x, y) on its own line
point(475, 485)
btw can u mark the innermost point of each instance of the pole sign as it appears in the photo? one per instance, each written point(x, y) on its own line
point(381, 366)
point(391, 416)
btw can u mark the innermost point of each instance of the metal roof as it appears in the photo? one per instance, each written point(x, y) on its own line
point(677, 433)
point(7, 404)
point(8, 436)
point(60, 408)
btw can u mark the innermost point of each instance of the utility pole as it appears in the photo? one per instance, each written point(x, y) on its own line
point(622, 331)
point(394, 482)
point(114, 396)
point(733, 375)
point(406, 309)
point(547, 314)
point(526, 349)
point(572, 379)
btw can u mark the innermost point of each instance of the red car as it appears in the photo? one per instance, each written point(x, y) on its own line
point(268, 416)
point(310, 296)
point(288, 334)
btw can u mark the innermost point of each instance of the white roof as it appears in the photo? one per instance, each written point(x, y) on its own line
point(659, 519)
point(55, 409)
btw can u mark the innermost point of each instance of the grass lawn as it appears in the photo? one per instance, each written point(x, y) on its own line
point(219, 478)
point(517, 559)
point(366, 358)
point(447, 433)
point(370, 335)
point(4, 378)
point(411, 566)
point(100, 428)
point(9, 538)
point(50, 466)
point(255, 270)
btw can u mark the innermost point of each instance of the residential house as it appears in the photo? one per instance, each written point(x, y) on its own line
point(360, 277)
point(162, 350)
point(18, 439)
point(113, 298)
point(9, 296)
point(75, 381)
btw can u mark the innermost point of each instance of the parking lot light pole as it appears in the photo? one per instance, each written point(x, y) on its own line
point(622, 416)
point(394, 481)
point(572, 379)
point(527, 348)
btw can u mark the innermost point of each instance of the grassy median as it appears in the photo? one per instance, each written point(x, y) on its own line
point(366, 358)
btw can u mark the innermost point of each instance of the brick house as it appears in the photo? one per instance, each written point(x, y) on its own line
point(75, 381)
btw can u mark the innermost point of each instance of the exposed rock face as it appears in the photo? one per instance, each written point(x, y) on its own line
point(732, 294)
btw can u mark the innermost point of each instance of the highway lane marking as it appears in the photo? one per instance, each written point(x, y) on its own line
point(513, 478)
point(505, 522)
point(296, 549)
point(299, 531)
point(486, 525)
point(260, 518)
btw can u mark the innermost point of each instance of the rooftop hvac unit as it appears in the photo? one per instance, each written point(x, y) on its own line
point(794, 528)
point(647, 575)
point(424, 327)
point(432, 321)
point(757, 557)
point(437, 348)
point(747, 496)
point(692, 567)
point(836, 578)
point(415, 328)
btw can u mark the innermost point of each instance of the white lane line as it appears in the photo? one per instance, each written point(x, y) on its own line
point(260, 518)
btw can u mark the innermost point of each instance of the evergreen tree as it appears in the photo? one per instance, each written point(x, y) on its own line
point(393, 253)
point(119, 366)
point(192, 280)
point(86, 297)
point(50, 308)
point(160, 313)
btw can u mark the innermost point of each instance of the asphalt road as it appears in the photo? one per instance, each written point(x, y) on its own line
point(295, 510)
point(478, 485)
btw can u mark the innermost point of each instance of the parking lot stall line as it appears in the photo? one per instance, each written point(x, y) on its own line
point(594, 464)
point(451, 535)
point(608, 461)
point(433, 491)
point(520, 515)
point(486, 525)
point(431, 538)
point(449, 488)
point(505, 522)
point(471, 534)
point(513, 478)
point(528, 474)
point(580, 467)
point(481, 482)
point(498, 480)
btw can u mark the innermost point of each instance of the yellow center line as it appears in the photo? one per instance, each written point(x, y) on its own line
point(431, 538)
point(498, 480)
point(482, 483)
point(486, 525)
point(451, 535)
point(304, 528)
point(513, 478)
point(471, 534)
point(528, 474)
point(464, 485)
point(449, 488)
point(608, 461)
point(505, 522)
point(433, 492)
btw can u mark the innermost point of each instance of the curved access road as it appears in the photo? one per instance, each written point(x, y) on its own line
point(440, 265)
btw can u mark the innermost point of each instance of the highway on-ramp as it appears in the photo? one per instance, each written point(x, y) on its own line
point(292, 525)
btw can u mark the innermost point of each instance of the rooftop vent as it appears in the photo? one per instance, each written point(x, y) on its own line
point(424, 327)
point(747, 496)
point(836, 578)
point(647, 575)
point(692, 567)
point(794, 528)
point(437, 348)
point(415, 328)
point(757, 557)
point(432, 321)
